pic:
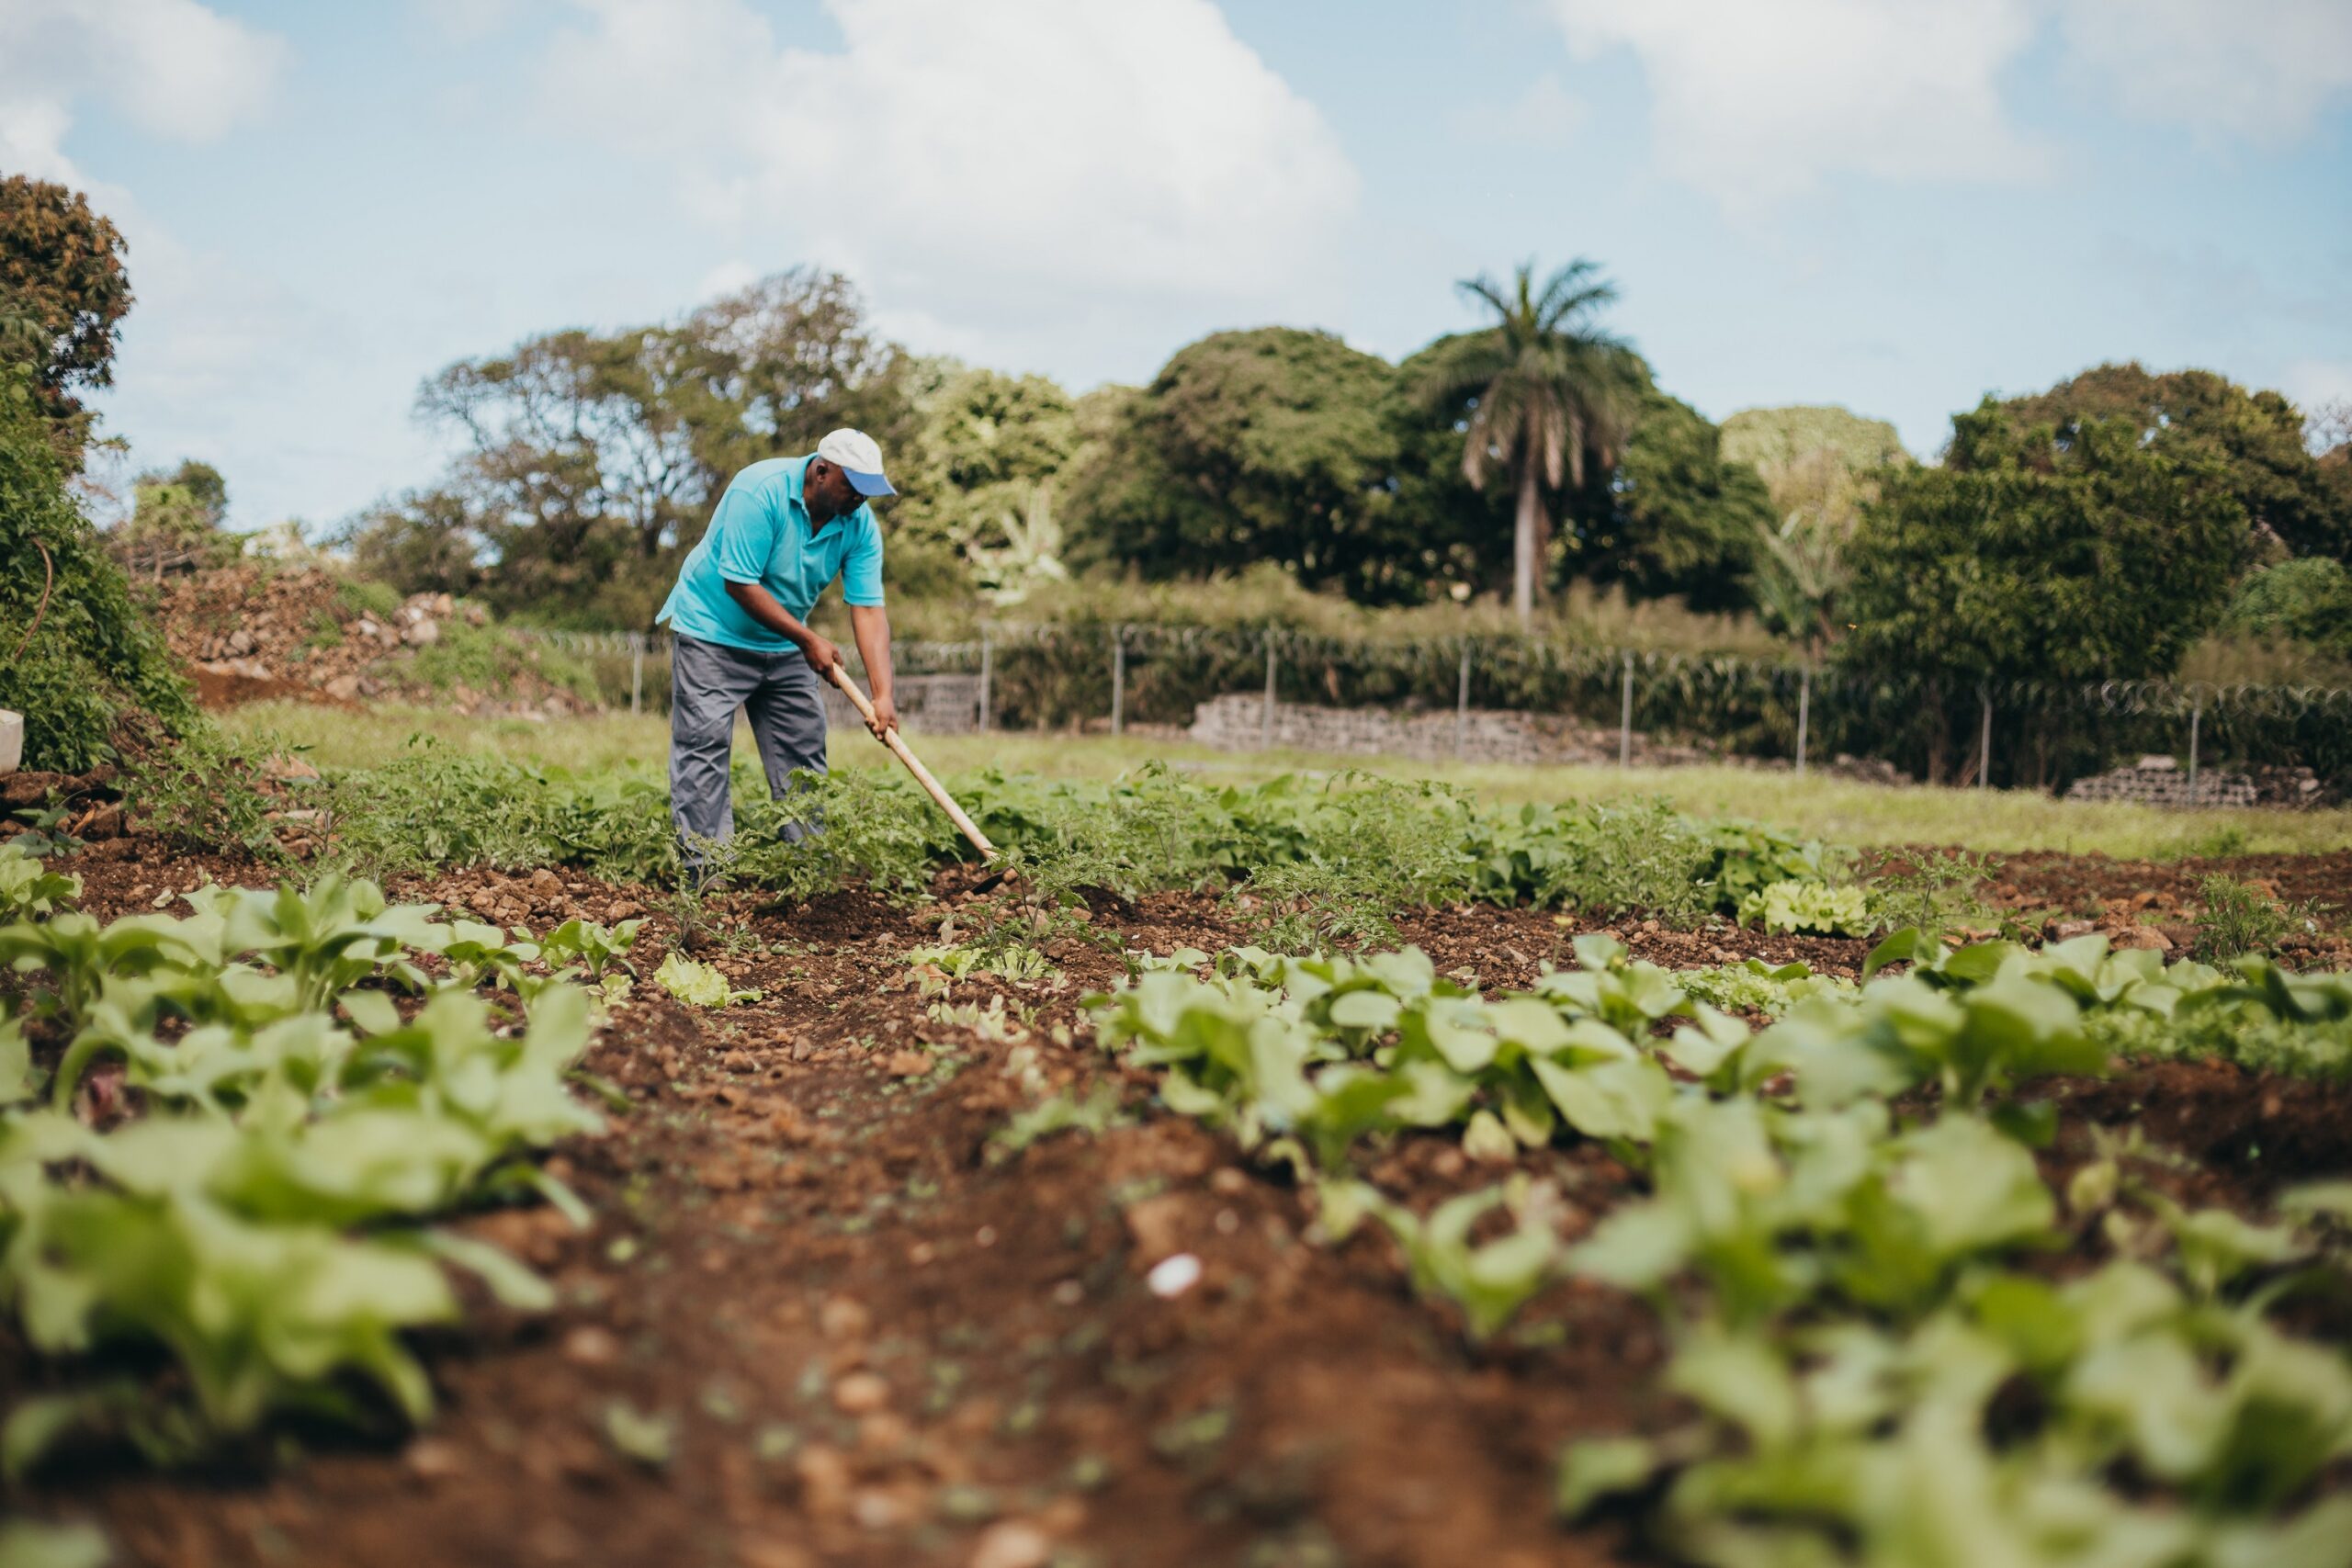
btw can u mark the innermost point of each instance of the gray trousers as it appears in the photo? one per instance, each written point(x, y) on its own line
point(783, 700)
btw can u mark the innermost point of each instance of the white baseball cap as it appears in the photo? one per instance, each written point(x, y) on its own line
point(855, 454)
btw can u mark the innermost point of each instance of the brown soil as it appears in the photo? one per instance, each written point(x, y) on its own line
point(877, 1338)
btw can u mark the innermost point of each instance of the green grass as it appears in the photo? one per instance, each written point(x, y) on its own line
point(1836, 809)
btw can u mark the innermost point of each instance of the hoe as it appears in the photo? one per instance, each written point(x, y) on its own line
point(841, 677)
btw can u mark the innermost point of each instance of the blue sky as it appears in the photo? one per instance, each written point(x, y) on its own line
point(1897, 204)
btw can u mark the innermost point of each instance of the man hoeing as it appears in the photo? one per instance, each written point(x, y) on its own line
point(785, 528)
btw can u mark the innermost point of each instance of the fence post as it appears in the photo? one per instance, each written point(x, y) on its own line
point(1985, 748)
point(1625, 720)
point(1805, 713)
point(635, 671)
point(1462, 704)
point(2196, 715)
point(984, 682)
point(1118, 680)
point(1266, 714)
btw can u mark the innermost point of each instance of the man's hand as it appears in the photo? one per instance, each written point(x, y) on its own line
point(886, 713)
point(821, 655)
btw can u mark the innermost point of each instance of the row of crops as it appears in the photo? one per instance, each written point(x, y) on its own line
point(1897, 1341)
point(1340, 850)
point(257, 1114)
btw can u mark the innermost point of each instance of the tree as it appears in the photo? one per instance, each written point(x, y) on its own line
point(1549, 387)
point(592, 458)
point(2309, 600)
point(2011, 565)
point(982, 475)
point(64, 293)
point(176, 519)
point(1674, 517)
point(1820, 466)
point(2256, 440)
point(1270, 445)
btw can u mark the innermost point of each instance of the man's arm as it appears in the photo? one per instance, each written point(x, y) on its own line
point(761, 605)
point(871, 625)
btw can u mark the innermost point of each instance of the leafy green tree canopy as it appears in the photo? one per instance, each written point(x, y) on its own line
point(589, 456)
point(64, 293)
point(1270, 445)
point(2309, 600)
point(1820, 465)
point(1677, 517)
point(2003, 569)
point(980, 481)
point(2256, 438)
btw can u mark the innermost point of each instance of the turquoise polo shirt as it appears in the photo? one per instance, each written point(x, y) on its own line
point(761, 533)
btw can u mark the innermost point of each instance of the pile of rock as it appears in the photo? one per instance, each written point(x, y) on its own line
point(2162, 781)
point(252, 630)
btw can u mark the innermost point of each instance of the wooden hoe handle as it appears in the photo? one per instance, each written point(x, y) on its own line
point(839, 677)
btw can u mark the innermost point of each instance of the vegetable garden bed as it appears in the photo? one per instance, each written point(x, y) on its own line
point(879, 1269)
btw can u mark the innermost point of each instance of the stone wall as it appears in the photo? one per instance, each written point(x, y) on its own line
point(928, 704)
point(2162, 781)
point(1235, 723)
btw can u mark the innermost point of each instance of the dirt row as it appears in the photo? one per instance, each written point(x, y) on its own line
point(824, 1315)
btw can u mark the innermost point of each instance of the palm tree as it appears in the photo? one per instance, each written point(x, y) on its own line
point(1549, 385)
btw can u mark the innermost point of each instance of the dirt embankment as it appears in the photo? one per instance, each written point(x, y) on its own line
point(253, 632)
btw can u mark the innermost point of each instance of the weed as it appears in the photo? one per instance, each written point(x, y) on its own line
point(2237, 918)
point(209, 791)
point(1929, 893)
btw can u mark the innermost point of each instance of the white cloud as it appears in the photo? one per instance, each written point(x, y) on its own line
point(1022, 148)
point(204, 327)
point(2261, 69)
point(174, 67)
point(1756, 103)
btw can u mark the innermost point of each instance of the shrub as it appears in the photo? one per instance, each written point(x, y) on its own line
point(95, 660)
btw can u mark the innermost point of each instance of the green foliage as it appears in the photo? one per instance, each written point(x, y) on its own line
point(1811, 907)
point(592, 458)
point(1545, 394)
point(259, 1223)
point(1270, 445)
point(1927, 892)
point(1602, 858)
point(27, 888)
point(2309, 600)
point(206, 791)
point(1676, 516)
point(2236, 919)
point(61, 271)
point(2249, 446)
point(698, 983)
point(2009, 564)
point(1820, 466)
point(95, 660)
point(982, 479)
point(2029, 560)
point(489, 658)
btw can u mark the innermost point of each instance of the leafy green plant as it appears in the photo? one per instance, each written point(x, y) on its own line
point(595, 947)
point(259, 1219)
point(1928, 893)
point(1816, 907)
point(698, 983)
point(1489, 1280)
point(2236, 919)
point(27, 888)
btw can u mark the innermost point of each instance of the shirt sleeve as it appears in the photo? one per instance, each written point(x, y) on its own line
point(742, 533)
point(862, 572)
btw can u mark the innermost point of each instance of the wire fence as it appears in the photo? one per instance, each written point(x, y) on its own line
point(2037, 734)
